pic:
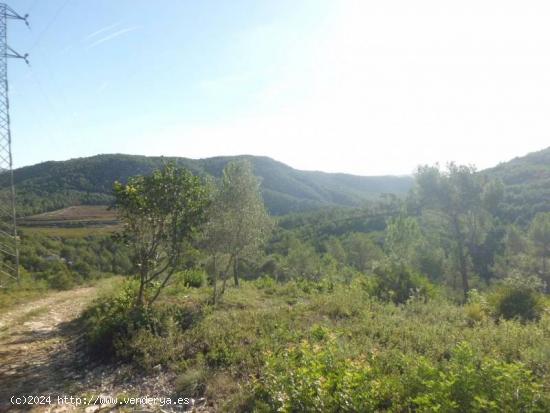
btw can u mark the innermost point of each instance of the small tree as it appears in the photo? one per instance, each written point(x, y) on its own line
point(238, 222)
point(161, 213)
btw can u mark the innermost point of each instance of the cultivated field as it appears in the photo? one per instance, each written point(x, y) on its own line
point(73, 222)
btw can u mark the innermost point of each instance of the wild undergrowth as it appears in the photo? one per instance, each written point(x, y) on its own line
point(330, 347)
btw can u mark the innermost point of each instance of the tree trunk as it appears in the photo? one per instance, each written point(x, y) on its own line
point(140, 298)
point(224, 283)
point(463, 266)
point(464, 274)
point(224, 275)
point(215, 281)
point(235, 273)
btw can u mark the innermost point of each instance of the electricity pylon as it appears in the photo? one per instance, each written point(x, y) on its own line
point(9, 249)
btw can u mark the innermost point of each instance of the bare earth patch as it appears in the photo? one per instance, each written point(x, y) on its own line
point(41, 355)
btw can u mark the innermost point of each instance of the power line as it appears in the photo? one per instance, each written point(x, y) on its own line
point(49, 25)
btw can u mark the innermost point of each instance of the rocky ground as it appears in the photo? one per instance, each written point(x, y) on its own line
point(41, 355)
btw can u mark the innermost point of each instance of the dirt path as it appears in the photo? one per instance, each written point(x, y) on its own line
point(41, 354)
point(37, 345)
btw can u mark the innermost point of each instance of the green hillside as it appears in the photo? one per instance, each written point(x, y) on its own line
point(52, 185)
point(527, 185)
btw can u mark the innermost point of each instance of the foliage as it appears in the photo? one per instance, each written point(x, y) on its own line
point(473, 384)
point(316, 378)
point(88, 181)
point(397, 283)
point(336, 310)
point(238, 223)
point(526, 182)
point(518, 298)
point(194, 278)
point(457, 198)
point(62, 263)
point(147, 336)
point(321, 346)
point(161, 213)
point(539, 233)
point(107, 320)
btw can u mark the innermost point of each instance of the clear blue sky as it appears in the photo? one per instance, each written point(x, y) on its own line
point(350, 86)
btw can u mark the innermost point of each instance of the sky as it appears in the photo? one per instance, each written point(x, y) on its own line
point(362, 87)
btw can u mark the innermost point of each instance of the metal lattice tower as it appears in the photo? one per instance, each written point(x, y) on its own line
point(9, 251)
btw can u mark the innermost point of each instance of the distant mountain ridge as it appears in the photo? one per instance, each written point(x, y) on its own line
point(57, 184)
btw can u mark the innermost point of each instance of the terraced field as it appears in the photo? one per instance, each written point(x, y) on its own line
point(74, 221)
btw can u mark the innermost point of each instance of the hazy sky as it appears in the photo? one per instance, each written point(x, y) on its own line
point(365, 87)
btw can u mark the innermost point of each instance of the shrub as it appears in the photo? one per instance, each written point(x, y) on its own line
point(517, 298)
point(267, 284)
point(517, 302)
point(192, 382)
point(476, 308)
point(311, 377)
point(396, 282)
point(107, 319)
point(145, 336)
point(315, 378)
point(158, 342)
point(470, 383)
point(61, 279)
point(194, 278)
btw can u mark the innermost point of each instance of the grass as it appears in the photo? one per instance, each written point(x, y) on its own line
point(13, 296)
point(28, 292)
point(75, 232)
point(233, 352)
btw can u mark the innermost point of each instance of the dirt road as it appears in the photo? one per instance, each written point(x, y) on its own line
point(37, 345)
point(41, 354)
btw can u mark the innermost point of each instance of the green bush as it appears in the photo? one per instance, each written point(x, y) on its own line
point(267, 284)
point(317, 378)
point(476, 308)
point(511, 302)
point(333, 351)
point(145, 336)
point(107, 320)
point(397, 283)
point(194, 278)
point(158, 341)
point(61, 278)
point(469, 383)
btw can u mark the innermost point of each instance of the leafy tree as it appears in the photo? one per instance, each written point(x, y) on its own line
point(403, 236)
point(302, 261)
point(362, 252)
point(333, 247)
point(238, 223)
point(516, 258)
point(456, 196)
point(161, 212)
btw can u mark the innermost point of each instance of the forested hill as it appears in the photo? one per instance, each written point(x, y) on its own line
point(52, 185)
point(527, 185)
